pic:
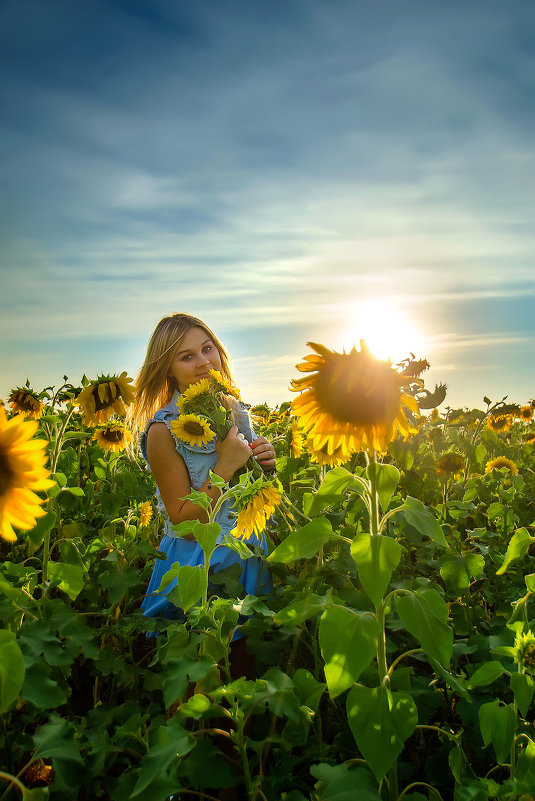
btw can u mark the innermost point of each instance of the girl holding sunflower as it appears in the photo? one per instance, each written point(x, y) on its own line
point(180, 355)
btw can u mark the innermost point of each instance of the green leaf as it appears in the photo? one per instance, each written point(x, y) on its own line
point(308, 690)
point(191, 586)
point(522, 686)
point(343, 783)
point(387, 478)
point(76, 491)
point(40, 689)
point(42, 527)
point(381, 721)
point(69, 577)
point(456, 684)
point(237, 545)
point(348, 643)
point(498, 726)
point(11, 669)
point(530, 582)
point(55, 740)
point(301, 610)
point(206, 535)
point(376, 558)
point(332, 489)
point(458, 569)
point(179, 672)
point(422, 519)
point(517, 548)
point(486, 674)
point(199, 499)
point(303, 543)
point(424, 615)
point(172, 742)
point(525, 767)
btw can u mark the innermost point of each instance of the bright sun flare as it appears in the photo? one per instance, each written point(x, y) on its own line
point(388, 332)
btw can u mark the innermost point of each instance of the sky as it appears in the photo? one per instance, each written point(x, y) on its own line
point(289, 171)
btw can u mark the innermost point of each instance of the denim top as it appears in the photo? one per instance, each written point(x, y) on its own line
point(199, 460)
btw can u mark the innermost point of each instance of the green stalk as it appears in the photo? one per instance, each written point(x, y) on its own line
point(382, 664)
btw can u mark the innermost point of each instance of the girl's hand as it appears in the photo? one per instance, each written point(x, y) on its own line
point(232, 453)
point(264, 452)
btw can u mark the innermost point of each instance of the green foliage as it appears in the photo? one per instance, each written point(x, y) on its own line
point(386, 654)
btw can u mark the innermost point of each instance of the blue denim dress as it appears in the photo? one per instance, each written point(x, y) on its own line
point(199, 460)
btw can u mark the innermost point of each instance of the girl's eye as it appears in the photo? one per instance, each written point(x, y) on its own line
point(187, 357)
point(207, 348)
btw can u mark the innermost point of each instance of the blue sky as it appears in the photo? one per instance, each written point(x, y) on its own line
point(277, 169)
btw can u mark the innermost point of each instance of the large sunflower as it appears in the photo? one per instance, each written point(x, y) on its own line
point(113, 437)
point(526, 413)
point(255, 506)
point(450, 464)
point(499, 462)
point(352, 400)
point(222, 384)
point(22, 474)
point(499, 422)
point(194, 391)
point(104, 397)
point(25, 401)
point(192, 429)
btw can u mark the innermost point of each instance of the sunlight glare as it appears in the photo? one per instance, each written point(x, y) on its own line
point(388, 331)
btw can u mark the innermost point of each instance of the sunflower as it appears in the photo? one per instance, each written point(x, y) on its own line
point(325, 459)
point(222, 384)
point(499, 462)
point(255, 506)
point(192, 429)
point(193, 391)
point(145, 513)
point(499, 422)
point(296, 440)
point(524, 651)
point(435, 434)
point(529, 439)
point(260, 414)
point(526, 413)
point(352, 400)
point(113, 437)
point(25, 401)
point(435, 415)
point(450, 463)
point(105, 396)
point(22, 474)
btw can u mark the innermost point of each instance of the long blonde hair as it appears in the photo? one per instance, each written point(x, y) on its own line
point(154, 385)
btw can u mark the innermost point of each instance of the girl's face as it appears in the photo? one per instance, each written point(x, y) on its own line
point(195, 357)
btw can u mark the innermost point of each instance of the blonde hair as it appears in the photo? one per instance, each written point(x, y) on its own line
point(154, 385)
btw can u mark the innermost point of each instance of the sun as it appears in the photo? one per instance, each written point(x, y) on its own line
point(388, 330)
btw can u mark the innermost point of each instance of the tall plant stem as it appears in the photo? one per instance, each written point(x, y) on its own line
point(382, 664)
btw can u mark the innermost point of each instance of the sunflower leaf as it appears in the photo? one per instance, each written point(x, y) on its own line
point(348, 643)
point(422, 519)
point(332, 488)
point(386, 477)
point(11, 669)
point(376, 558)
point(304, 543)
point(424, 614)
point(517, 548)
point(381, 721)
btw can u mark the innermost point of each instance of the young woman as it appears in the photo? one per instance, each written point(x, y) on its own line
point(181, 351)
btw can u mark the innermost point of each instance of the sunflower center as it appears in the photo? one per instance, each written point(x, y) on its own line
point(112, 435)
point(99, 405)
point(6, 473)
point(194, 429)
point(357, 390)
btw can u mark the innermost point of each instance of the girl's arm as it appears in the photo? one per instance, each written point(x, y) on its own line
point(172, 477)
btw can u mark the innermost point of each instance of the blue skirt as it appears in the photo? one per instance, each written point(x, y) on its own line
point(189, 552)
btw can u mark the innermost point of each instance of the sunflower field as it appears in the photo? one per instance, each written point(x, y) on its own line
point(394, 657)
